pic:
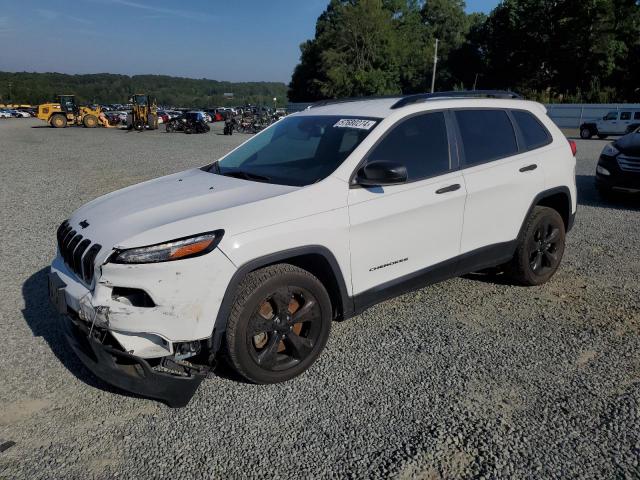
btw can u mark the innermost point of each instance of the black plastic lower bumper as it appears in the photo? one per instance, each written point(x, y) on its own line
point(128, 372)
point(617, 178)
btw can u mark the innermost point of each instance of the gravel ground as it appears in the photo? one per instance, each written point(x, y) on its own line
point(466, 379)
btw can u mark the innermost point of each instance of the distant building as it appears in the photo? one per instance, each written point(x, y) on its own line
point(227, 95)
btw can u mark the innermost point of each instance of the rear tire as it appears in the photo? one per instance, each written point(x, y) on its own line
point(90, 121)
point(540, 248)
point(279, 323)
point(58, 121)
point(585, 133)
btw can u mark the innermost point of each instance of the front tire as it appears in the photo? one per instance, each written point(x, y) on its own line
point(540, 248)
point(279, 323)
point(90, 121)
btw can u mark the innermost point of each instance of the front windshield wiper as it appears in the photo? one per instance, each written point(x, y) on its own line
point(244, 175)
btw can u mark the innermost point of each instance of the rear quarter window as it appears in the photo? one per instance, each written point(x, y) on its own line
point(486, 135)
point(534, 134)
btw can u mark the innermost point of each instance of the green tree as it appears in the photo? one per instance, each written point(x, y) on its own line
point(378, 47)
point(352, 53)
point(107, 88)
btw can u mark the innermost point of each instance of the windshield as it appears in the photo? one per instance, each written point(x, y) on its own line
point(297, 150)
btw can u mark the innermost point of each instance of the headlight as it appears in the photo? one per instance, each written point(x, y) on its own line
point(610, 151)
point(174, 250)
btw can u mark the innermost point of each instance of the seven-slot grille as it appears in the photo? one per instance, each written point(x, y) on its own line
point(629, 164)
point(72, 247)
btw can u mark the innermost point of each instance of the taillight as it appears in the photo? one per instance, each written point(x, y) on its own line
point(574, 147)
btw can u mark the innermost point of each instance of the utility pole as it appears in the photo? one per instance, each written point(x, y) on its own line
point(435, 64)
point(475, 82)
point(9, 85)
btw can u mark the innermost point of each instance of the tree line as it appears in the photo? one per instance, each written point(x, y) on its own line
point(35, 88)
point(548, 50)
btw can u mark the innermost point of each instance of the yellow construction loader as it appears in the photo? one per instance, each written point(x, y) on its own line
point(66, 112)
point(144, 112)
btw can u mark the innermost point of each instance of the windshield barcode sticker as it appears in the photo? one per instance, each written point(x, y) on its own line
point(355, 123)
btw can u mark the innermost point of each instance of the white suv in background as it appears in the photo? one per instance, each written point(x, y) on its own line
point(613, 123)
point(318, 217)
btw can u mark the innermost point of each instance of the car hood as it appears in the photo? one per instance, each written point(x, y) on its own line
point(629, 144)
point(145, 213)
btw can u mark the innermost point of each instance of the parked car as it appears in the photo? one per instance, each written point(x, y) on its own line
point(316, 218)
point(618, 167)
point(613, 123)
point(18, 113)
point(5, 114)
point(163, 117)
point(116, 117)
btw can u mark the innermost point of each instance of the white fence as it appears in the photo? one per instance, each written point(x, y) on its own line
point(563, 114)
point(573, 115)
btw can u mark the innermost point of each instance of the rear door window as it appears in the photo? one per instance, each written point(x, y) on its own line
point(636, 116)
point(625, 116)
point(486, 135)
point(534, 134)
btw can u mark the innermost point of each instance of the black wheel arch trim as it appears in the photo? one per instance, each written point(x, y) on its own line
point(546, 194)
point(591, 126)
point(346, 308)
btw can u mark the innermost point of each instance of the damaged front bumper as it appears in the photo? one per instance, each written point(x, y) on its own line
point(94, 347)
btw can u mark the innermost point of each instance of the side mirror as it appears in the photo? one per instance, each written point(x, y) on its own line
point(380, 173)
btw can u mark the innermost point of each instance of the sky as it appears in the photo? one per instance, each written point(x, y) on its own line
point(235, 40)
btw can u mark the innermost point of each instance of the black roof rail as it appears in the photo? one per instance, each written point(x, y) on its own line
point(420, 97)
point(332, 101)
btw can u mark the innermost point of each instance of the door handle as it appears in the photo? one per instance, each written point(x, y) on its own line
point(450, 188)
point(528, 168)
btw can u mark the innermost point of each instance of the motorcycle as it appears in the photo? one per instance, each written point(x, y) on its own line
point(189, 123)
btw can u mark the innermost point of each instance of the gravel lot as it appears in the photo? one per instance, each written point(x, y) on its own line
point(466, 379)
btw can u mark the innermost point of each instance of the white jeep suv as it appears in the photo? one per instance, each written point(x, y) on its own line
point(320, 216)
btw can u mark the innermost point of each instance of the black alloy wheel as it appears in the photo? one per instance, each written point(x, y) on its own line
point(284, 329)
point(544, 247)
point(540, 248)
point(279, 323)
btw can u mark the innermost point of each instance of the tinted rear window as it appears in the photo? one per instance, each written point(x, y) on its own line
point(533, 132)
point(486, 135)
